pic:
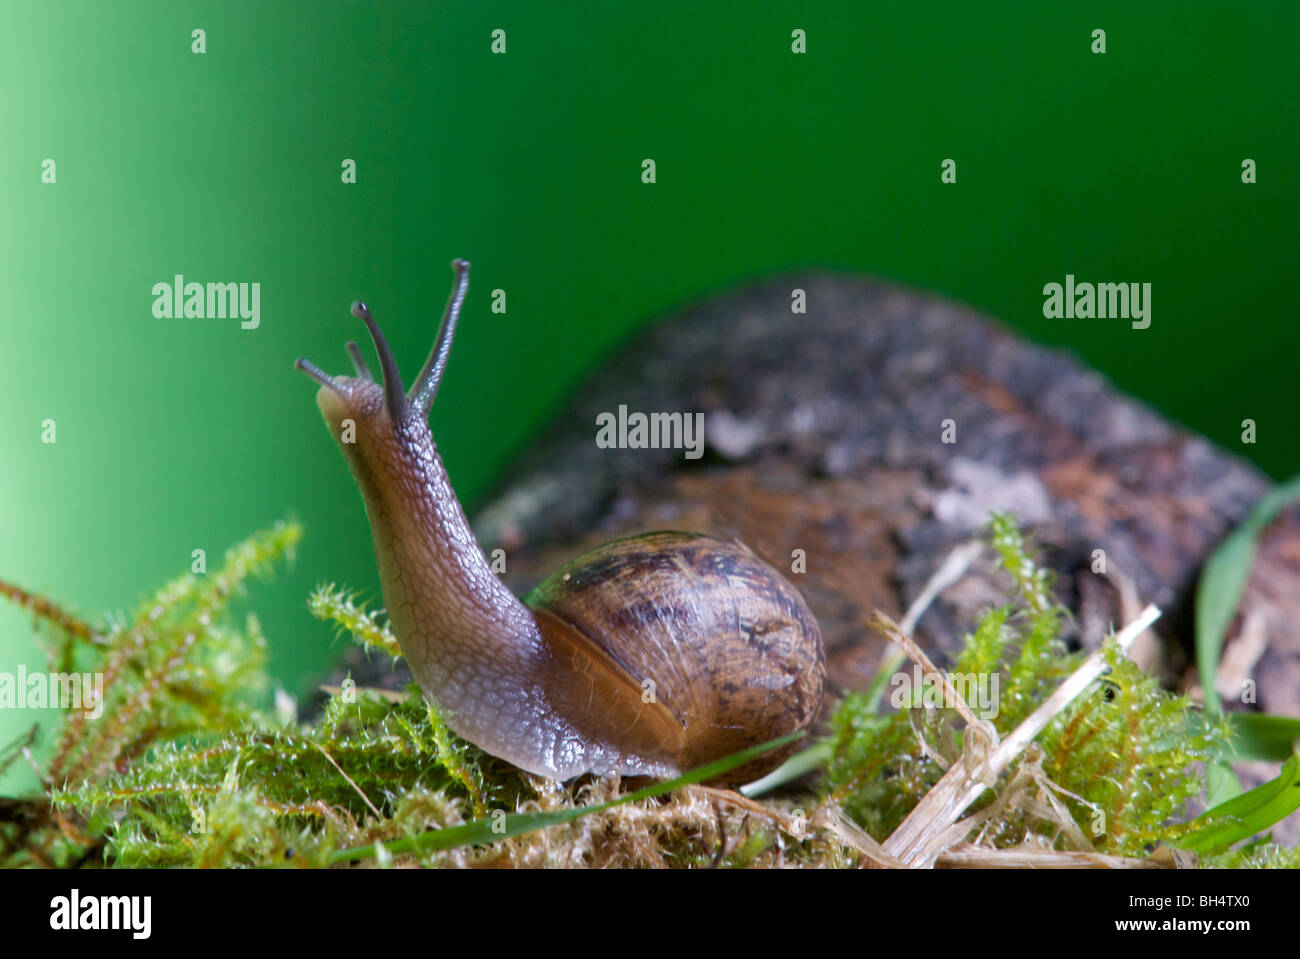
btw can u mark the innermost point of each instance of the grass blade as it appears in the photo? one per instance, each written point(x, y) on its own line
point(1217, 829)
point(1223, 580)
point(493, 828)
point(1264, 737)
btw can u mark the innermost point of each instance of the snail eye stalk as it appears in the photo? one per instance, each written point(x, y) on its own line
point(394, 397)
point(425, 388)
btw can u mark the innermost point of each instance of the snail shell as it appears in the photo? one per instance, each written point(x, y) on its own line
point(705, 629)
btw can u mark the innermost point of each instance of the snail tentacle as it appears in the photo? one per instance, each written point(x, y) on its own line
point(358, 361)
point(394, 397)
point(425, 388)
point(317, 374)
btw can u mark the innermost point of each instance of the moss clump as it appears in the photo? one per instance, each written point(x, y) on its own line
point(189, 765)
point(1124, 758)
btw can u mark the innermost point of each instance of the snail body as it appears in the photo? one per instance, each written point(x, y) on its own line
point(646, 656)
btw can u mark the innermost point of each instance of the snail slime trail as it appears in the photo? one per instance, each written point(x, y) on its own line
point(646, 656)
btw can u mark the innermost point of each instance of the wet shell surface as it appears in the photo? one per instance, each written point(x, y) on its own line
point(720, 648)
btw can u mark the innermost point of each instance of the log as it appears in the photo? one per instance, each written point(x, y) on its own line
point(824, 433)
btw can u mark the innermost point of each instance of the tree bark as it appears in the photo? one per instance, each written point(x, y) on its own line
point(825, 434)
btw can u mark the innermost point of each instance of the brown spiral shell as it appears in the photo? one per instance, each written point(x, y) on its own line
point(720, 640)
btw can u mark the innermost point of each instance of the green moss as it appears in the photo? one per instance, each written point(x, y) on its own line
point(189, 765)
point(1124, 757)
point(1261, 855)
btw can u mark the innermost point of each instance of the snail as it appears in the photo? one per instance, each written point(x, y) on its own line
point(647, 656)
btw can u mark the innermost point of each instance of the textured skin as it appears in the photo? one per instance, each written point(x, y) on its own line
point(725, 644)
point(560, 701)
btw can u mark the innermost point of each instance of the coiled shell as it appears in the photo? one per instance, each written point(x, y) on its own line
point(718, 639)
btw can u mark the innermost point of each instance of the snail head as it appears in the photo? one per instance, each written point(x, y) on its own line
point(385, 404)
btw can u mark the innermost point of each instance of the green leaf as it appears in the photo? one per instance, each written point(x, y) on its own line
point(1221, 783)
point(800, 764)
point(1223, 580)
point(499, 826)
point(1217, 829)
point(1263, 737)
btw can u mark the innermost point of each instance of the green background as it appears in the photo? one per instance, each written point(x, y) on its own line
point(180, 434)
